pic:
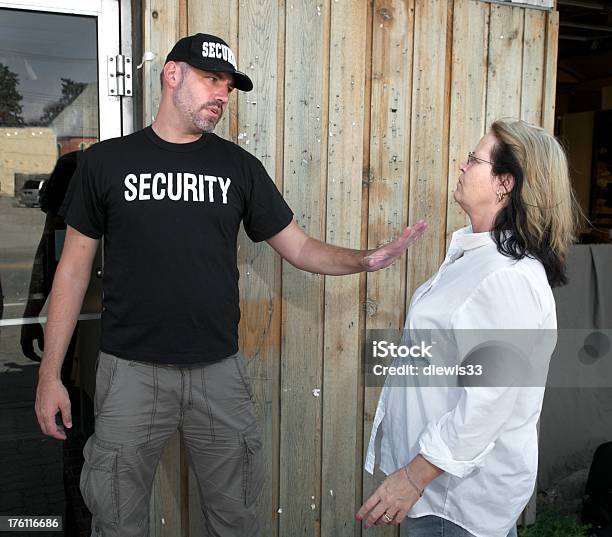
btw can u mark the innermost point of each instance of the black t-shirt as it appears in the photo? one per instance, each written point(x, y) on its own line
point(170, 215)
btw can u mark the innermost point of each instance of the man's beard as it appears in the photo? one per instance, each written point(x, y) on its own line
point(185, 106)
point(206, 124)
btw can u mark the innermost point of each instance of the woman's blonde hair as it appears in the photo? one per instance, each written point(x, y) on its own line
point(542, 212)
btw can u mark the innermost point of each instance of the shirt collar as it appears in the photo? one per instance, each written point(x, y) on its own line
point(465, 239)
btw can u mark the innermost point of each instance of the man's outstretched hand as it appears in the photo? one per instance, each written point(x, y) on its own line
point(385, 255)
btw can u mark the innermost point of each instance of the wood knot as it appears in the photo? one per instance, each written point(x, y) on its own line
point(385, 14)
point(371, 307)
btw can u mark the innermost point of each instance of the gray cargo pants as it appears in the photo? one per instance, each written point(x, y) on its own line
point(137, 408)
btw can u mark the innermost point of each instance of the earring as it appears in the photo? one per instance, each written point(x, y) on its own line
point(500, 196)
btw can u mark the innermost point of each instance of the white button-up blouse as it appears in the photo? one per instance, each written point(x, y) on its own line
point(484, 438)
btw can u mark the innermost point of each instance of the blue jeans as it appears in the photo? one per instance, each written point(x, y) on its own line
point(435, 526)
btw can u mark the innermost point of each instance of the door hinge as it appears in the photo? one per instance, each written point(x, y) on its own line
point(119, 75)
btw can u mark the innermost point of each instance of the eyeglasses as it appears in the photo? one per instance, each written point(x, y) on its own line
point(473, 158)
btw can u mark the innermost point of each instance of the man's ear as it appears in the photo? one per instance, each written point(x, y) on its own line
point(172, 74)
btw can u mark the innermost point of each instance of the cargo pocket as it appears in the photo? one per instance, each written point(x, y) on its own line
point(98, 483)
point(252, 465)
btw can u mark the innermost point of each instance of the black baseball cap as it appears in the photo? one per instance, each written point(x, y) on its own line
point(209, 53)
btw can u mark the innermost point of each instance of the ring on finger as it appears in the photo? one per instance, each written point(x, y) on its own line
point(388, 518)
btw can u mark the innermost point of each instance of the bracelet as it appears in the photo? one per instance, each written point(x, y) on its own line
point(420, 491)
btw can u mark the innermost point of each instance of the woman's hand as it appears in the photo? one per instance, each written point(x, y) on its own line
point(391, 501)
point(398, 493)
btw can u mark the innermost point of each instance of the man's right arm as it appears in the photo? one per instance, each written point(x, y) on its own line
point(69, 286)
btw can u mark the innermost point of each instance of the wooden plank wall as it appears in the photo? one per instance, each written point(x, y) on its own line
point(387, 181)
point(362, 113)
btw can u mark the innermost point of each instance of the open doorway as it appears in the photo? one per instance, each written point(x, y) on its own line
point(576, 417)
point(584, 107)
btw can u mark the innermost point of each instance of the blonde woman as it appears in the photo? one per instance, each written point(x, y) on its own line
point(462, 461)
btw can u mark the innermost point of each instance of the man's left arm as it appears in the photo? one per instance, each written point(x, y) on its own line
point(312, 255)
